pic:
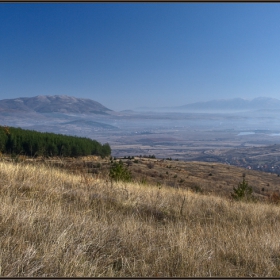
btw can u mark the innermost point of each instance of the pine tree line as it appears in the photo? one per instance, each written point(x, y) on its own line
point(32, 143)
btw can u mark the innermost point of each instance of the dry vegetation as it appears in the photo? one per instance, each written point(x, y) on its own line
point(212, 178)
point(58, 224)
point(207, 178)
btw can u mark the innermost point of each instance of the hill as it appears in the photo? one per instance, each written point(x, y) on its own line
point(57, 224)
point(223, 105)
point(235, 104)
point(17, 141)
point(201, 177)
point(53, 104)
point(213, 178)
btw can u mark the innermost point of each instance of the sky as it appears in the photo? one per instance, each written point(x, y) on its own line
point(131, 55)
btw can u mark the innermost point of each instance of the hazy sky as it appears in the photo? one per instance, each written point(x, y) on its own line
point(129, 55)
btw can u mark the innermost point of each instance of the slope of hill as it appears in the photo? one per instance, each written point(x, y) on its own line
point(51, 104)
point(203, 177)
point(56, 224)
point(16, 141)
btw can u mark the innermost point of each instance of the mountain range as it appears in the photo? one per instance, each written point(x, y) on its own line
point(260, 103)
point(71, 105)
point(53, 104)
point(234, 104)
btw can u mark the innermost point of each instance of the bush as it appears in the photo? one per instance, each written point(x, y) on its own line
point(143, 181)
point(275, 198)
point(118, 172)
point(243, 191)
point(197, 189)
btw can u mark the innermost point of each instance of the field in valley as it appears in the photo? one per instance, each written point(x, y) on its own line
point(250, 140)
point(58, 222)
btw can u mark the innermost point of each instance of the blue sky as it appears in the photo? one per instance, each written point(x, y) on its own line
point(129, 55)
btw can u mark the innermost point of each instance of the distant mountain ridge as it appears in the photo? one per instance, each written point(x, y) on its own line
point(259, 103)
point(53, 104)
point(233, 104)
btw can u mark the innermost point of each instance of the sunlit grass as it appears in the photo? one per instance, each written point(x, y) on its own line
point(56, 224)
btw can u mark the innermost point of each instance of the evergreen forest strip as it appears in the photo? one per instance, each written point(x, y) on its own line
point(17, 141)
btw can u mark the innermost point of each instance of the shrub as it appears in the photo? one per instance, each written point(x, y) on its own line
point(275, 198)
point(143, 181)
point(243, 191)
point(118, 172)
point(197, 189)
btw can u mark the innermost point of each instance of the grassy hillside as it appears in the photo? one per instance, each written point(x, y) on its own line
point(64, 225)
point(207, 178)
point(203, 177)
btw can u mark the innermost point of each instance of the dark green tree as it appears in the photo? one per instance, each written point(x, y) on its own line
point(243, 191)
point(118, 172)
point(33, 143)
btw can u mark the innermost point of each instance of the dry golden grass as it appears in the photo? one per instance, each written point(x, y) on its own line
point(54, 224)
point(215, 178)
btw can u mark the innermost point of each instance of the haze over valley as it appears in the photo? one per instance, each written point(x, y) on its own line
point(237, 136)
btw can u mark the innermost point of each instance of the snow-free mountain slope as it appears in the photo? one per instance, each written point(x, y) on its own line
point(53, 104)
